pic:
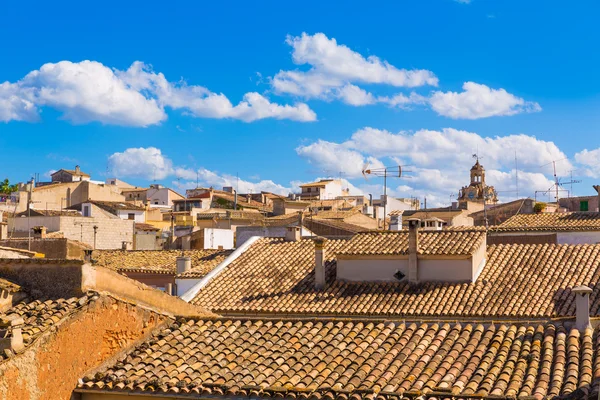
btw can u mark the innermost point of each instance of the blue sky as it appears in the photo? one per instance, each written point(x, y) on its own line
point(327, 88)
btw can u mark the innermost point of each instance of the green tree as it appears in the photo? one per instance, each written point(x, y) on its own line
point(6, 187)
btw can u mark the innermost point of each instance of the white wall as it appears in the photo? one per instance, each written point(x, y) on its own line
point(361, 270)
point(183, 285)
point(140, 216)
point(377, 270)
point(213, 238)
point(243, 233)
point(590, 237)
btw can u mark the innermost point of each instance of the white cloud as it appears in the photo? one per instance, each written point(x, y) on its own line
point(147, 163)
point(440, 160)
point(14, 106)
point(150, 163)
point(463, 1)
point(335, 66)
point(201, 102)
point(479, 101)
point(590, 160)
point(334, 158)
point(89, 91)
point(355, 96)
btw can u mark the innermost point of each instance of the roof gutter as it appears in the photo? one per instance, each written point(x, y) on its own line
point(191, 294)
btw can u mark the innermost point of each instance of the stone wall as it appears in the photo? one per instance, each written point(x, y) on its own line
point(111, 234)
point(49, 369)
point(59, 248)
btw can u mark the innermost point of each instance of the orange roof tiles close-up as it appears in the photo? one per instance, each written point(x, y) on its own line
point(568, 221)
point(447, 242)
point(158, 261)
point(274, 277)
point(344, 360)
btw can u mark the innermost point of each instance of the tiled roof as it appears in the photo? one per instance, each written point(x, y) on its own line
point(9, 286)
point(317, 184)
point(335, 214)
point(447, 242)
point(40, 316)
point(155, 261)
point(518, 281)
point(71, 171)
point(315, 223)
point(48, 213)
point(111, 206)
point(356, 360)
point(205, 265)
point(139, 226)
point(570, 221)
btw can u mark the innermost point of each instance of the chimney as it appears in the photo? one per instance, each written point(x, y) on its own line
point(77, 169)
point(248, 198)
point(292, 233)
point(597, 187)
point(300, 219)
point(413, 247)
point(320, 263)
point(39, 232)
point(11, 340)
point(582, 307)
point(87, 255)
point(183, 264)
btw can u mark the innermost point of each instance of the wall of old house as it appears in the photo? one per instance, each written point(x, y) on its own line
point(111, 232)
point(49, 369)
point(516, 238)
point(60, 196)
point(61, 248)
point(382, 269)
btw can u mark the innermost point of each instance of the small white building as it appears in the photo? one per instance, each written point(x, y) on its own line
point(325, 189)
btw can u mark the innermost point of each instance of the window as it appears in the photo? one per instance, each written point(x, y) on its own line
point(583, 205)
point(86, 211)
point(131, 216)
point(156, 202)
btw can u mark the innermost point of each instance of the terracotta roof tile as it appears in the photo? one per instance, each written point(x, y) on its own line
point(533, 281)
point(39, 316)
point(570, 221)
point(450, 242)
point(346, 360)
point(158, 261)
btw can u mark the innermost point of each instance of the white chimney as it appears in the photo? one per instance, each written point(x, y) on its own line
point(413, 247)
point(292, 234)
point(320, 263)
point(183, 264)
point(582, 307)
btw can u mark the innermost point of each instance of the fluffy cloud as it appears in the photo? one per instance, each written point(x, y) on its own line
point(590, 160)
point(479, 101)
point(146, 163)
point(201, 102)
point(335, 66)
point(14, 105)
point(90, 91)
point(427, 150)
point(150, 163)
point(334, 158)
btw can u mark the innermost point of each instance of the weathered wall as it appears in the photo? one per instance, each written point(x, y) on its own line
point(145, 241)
point(49, 369)
point(516, 238)
point(59, 248)
point(59, 196)
point(158, 281)
point(578, 237)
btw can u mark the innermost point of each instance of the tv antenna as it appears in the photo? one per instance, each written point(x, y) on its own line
point(396, 171)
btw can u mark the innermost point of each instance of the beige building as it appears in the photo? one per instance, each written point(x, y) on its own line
point(58, 196)
point(103, 230)
point(69, 175)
